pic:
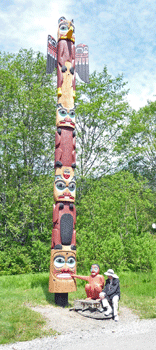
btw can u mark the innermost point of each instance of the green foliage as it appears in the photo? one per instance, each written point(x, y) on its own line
point(27, 126)
point(137, 144)
point(101, 112)
point(25, 244)
point(18, 259)
point(113, 225)
point(40, 255)
point(15, 260)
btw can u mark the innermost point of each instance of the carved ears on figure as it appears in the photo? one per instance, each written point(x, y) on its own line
point(61, 19)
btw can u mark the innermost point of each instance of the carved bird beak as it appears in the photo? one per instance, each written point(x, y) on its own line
point(70, 33)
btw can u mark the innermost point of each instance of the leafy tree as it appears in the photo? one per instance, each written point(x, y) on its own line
point(137, 145)
point(101, 113)
point(114, 222)
point(27, 108)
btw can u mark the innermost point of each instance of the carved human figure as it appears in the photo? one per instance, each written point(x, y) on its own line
point(96, 282)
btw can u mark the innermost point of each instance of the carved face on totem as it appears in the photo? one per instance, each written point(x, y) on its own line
point(65, 117)
point(64, 185)
point(94, 270)
point(66, 29)
point(63, 265)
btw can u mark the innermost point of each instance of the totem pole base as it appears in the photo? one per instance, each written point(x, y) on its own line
point(61, 299)
point(91, 308)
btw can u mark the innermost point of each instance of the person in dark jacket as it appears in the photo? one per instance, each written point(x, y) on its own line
point(110, 295)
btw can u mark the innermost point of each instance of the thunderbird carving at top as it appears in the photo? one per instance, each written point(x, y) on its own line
point(58, 53)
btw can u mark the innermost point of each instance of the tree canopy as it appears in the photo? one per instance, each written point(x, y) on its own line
point(137, 145)
point(114, 224)
point(101, 113)
point(27, 108)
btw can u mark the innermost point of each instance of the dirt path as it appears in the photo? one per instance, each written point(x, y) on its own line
point(64, 320)
point(82, 333)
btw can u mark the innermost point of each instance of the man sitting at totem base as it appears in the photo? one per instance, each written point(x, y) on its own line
point(110, 295)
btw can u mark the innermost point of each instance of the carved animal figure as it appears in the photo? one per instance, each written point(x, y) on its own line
point(64, 220)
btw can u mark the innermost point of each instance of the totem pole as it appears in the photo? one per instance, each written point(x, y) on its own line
point(61, 54)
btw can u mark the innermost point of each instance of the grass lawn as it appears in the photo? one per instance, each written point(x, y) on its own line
point(19, 323)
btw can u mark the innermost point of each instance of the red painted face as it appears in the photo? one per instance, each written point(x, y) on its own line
point(94, 270)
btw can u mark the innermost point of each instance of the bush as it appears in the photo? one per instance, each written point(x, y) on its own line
point(113, 224)
point(15, 260)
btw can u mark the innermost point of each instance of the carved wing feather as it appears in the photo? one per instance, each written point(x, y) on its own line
point(82, 62)
point(51, 54)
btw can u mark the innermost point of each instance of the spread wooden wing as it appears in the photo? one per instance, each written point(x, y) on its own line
point(51, 54)
point(82, 62)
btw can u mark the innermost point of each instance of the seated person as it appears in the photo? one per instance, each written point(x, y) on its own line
point(96, 282)
point(111, 294)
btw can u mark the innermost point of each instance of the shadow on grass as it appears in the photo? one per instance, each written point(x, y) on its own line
point(43, 282)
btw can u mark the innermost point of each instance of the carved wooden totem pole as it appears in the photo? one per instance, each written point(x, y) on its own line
point(63, 247)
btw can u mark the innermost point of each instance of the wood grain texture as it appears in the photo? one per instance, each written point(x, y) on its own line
point(65, 284)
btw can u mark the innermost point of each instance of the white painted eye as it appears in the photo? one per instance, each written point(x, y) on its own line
point(59, 261)
point(60, 185)
point(71, 262)
point(72, 186)
point(63, 28)
point(72, 113)
point(62, 112)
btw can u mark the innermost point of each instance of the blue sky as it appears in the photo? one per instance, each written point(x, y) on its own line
point(121, 34)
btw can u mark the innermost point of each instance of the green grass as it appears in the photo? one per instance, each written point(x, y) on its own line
point(19, 323)
point(139, 293)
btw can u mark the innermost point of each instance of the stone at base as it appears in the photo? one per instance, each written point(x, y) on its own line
point(90, 308)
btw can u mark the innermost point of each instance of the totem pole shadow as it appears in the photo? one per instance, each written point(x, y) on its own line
point(43, 282)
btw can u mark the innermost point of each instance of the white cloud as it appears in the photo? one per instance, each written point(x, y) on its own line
point(27, 23)
point(120, 34)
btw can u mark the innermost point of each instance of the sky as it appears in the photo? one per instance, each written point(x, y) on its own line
point(121, 34)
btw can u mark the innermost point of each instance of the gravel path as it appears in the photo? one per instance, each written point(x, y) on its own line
point(82, 333)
